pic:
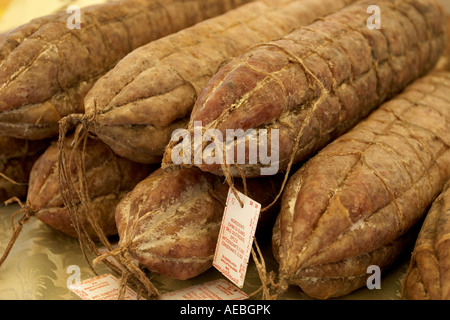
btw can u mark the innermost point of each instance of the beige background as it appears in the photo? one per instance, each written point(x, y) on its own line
point(36, 268)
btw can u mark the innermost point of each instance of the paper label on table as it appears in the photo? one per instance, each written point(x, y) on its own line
point(236, 237)
point(214, 290)
point(105, 287)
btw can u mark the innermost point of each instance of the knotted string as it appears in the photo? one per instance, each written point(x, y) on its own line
point(28, 213)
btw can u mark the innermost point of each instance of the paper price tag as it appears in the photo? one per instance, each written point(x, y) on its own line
point(105, 287)
point(236, 237)
point(214, 290)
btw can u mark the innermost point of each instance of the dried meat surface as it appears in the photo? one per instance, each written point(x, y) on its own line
point(369, 187)
point(320, 80)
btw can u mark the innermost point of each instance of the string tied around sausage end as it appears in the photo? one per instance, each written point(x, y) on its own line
point(27, 214)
